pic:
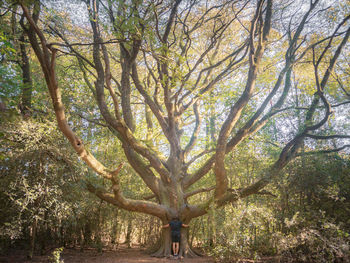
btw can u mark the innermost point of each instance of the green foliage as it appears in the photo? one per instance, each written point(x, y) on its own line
point(10, 82)
point(56, 256)
point(314, 239)
point(41, 180)
point(37, 176)
point(305, 220)
point(6, 47)
point(10, 78)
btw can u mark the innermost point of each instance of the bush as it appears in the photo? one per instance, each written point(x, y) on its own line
point(324, 243)
point(56, 256)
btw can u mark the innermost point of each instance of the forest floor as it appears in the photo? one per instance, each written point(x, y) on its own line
point(121, 255)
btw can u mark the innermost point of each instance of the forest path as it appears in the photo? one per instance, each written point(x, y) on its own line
point(121, 255)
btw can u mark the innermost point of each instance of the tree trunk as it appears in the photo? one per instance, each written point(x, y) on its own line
point(114, 234)
point(32, 238)
point(165, 248)
point(185, 249)
point(128, 232)
point(211, 229)
point(164, 242)
point(27, 89)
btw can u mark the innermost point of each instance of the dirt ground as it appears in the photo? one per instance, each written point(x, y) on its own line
point(122, 255)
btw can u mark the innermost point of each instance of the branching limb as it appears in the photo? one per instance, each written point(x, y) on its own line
point(119, 124)
point(194, 136)
point(201, 190)
point(209, 86)
point(289, 152)
point(235, 112)
point(47, 62)
point(194, 158)
point(170, 21)
point(254, 124)
point(327, 137)
point(48, 66)
point(143, 169)
point(323, 151)
point(119, 200)
point(70, 46)
point(215, 42)
point(149, 101)
point(94, 121)
point(267, 177)
point(336, 77)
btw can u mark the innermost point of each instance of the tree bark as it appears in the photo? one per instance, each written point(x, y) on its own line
point(115, 233)
point(128, 232)
point(26, 101)
point(32, 238)
point(165, 248)
point(164, 245)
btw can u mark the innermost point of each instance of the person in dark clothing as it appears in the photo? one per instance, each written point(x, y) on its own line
point(175, 226)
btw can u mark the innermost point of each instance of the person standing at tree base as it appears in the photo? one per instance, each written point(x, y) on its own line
point(175, 226)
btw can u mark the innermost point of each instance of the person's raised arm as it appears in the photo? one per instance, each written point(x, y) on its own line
point(184, 225)
point(165, 226)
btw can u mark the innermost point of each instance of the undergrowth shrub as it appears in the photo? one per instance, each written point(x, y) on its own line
point(320, 242)
point(309, 238)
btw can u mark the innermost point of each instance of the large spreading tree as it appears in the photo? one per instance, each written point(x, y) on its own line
point(181, 83)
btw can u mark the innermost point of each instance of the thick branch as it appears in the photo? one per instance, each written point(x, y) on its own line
point(254, 124)
point(118, 124)
point(118, 200)
point(236, 109)
point(47, 63)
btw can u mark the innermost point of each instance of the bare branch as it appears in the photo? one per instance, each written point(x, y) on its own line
point(206, 151)
point(323, 151)
point(327, 137)
point(170, 21)
point(201, 190)
point(153, 106)
point(193, 139)
point(94, 121)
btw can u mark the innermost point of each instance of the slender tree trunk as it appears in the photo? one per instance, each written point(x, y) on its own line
point(82, 239)
point(26, 101)
point(32, 238)
point(98, 230)
point(128, 232)
point(210, 230)
point(114, 235)
point(87, 234)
